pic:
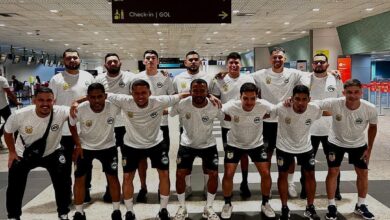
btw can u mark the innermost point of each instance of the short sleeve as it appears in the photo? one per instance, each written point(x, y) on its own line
point(11, 125)
point(175, 110)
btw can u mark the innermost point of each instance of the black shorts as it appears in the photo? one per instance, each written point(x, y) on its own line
point(119, 134)
point(186, 157)
point(270, 131)
point(165, 131)
point(224, 132)
point(108, 158)
point(132, 156)
point(335, 156)
point(284, 160)
point(233, 154)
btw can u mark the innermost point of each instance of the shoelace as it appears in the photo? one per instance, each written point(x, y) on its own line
point(363, 208)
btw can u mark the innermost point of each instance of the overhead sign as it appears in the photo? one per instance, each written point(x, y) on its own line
point(171, 11)
point(344, 66)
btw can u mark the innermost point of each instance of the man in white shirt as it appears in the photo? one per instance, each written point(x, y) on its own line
point(351, 116)
point(143, 139)
point(159, 85)
point(293, 141)
point(31, 123)
point(96, 141)
point(197, 115)
point(245, 137)
point(226, 89)
point(322, 85)
point(118, 82)
point(67, 87)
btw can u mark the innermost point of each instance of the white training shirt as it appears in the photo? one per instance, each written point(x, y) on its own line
point(182, 82)
point(32, 127)
point(3, 94)
point(96, 129)
point(197, 123)
point(293, 128)
point(159, 85)
point(68, 88)
point(348, 126)
point(229, 89)
point(246, 130)
point(143, 124)
point(118, 85)
point(319, 91)
point(277, 87)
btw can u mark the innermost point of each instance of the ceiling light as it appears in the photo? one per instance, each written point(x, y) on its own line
point(222, 24)
point(329, 23)
point(155, 24)
point(215, 32)
point(161, 44)
point(283, 38)
point(247, 49)
point(79, 24)
point(29, 33)
point(115, 44)
point(2, 25)
point(253, 38)
point(79, 48)
point(369, 9)
point(161, 39)
point(54, 11)
point(208, 38)
point(66, 44)
point(286, 23)
point(303, 32)
point(235, 11)
point(106, 39)
point(87, 51)
point(159, 33)
point(268, 32)
point(50, 39)
point(316, 9)
point(121, 48)
point(268, 43)
point(239, 44)
point(96, 32)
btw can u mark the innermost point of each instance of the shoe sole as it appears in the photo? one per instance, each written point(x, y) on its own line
point(330, 218)
point(185, 217)
point(359, 214)
point(304, 214)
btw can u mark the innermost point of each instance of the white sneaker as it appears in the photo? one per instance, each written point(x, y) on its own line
point(188, 191)
point(267, 210)
point(226, 211)
point(209, 213)
point(181, 213)
point(292, 192)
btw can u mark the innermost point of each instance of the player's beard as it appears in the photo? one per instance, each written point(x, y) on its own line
point(319, 69)
point(114, 70)
point(72, 67)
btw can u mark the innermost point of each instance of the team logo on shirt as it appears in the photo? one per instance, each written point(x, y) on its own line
point(331, 156)
point(312, 161)
point(154, 114)
point(225, 87)
point(28, 129)
point(280, 161)
point(188, 116)
point(263, 155)
point(339, 117)
point(178, 160)
point(331, 88)
point(160, 85)
point(215, 161)
point(124, 161)
point(359, 121)
point(256, 120)
point(229, 154)
point(236, 119)
point(183, 85)
point(130, 114)
point(121, 84)
point(287, 120)
point(205, 118)
point(88, 123)
point(286, 80)
point(110, 120)
point(65, 86)
point(54, 127)
point(114, 164)
point(308, 122)
point(62, 159)
point(164, 158)
point(268, 80)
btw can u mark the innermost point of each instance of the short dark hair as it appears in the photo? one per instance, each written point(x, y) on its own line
point(43, 89)
point(321, 55)
point(139, 82)
point(233, 55)
point(96, 86)
point(111, 55)
point(198, 81)
point(192, 52)
point(152, 52)
point(70, 50)
point(249, 87)
point(352, 82)
point(275, 49)
point(301, 89)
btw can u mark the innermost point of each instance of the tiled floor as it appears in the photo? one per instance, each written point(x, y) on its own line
point(39, 197)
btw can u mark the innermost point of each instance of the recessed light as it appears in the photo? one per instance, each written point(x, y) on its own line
point(54, 11)
point(161, 39)
point(283, 38)
point(80, 24)
point(329, 23)
point(155, 24)
point(51, 39)
point(121, 48)
point(369, 9)
point(303, 32)
point(268, 32)
point(29, 33)
point(286, 23)
point(215, 32)
point(234, 47)
point(96, 32)
point(79, 48)
point(66, 44)
point(106, 39)
point(235, 11)
point(316, 9)
point(115, 44)
point(2, 25)
point(159, 33)
point(268, 43)
point(253, 38)
point(239, 44)
point(161, 44)
point(222, 24)
point(208, 38)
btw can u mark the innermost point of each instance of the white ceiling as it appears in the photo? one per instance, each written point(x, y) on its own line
point(130, 40)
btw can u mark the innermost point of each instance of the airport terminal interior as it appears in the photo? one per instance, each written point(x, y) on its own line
point(353, 34)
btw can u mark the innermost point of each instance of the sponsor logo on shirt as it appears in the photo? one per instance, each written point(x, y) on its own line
point(110, 120)
point(54, 127)
point(121, 84)
point(331, 88)
point(160, 85)
point(225, 87)
point(256, 120)
point(88, 123)
point(287, 120)
point(188, 115)
point(339, 117)
point(28, 129)
point(130, 114)
point(154, 114)
point(268, 80)
point(236, 119)
point(183, 85)
point(205, 118)
point(308, 122)
point(65, 86)
point(359, 121)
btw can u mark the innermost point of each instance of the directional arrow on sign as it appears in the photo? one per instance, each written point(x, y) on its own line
point(223, 15)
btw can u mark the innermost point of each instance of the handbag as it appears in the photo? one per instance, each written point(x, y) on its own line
point(35, 150)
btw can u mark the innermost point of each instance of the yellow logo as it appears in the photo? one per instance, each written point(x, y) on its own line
point(339, 117)
point(236, 119)
point(188, 115)
point(229, 155)
point(66, 86)
point(130, 114)
point(183, 85)
point(225, 87)
point(28, 129)
point(287, 120)
point(88, 123)
point(268, 80)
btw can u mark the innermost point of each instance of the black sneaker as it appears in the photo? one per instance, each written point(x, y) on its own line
point(363, 211)
point(338, 196)
point(116, 215)
point(107, 196)
point(129, 216)
point(285, 213)
point(311, 213)
point(79, 216)
point(332, 213)
point(245, 192)
point(141, 197)
point(87, 197)
point(163, 214)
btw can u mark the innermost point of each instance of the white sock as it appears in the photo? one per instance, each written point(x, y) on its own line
point(206, 179)
point(129, 204)
point(290, 178)
point(163, 201)
point(79, 208)
point(182, 199)
point(188, 180)
point(332, 202)
point(361, 201)
point(115, 205)
point(210, 199)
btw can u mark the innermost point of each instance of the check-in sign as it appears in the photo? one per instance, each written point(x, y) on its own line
point(171, 11)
